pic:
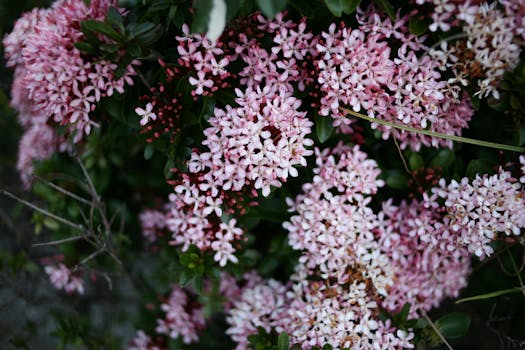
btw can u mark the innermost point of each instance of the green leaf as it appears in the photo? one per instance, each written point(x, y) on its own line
point(140, 29)
point(271, 7)
point(102, 28)
point(185, 278)
point(479, 166)
point(387, 7)
point(208, 106)
point(443, 159)
point(114, 18)
point(149, 150)
point(454, 325)
point(323, 127)
point(51, 224)
point(417, 26)
point(134, 49)
point(86, 47)
point(338, 7)
point(397, 180)
point(283, 341)
point(415, 161)
point(201, 15)
point(490, 295)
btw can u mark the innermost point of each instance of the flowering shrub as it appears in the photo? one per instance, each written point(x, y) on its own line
point(275, 174)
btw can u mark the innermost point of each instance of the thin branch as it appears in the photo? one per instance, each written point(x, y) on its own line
point(92, 190)
point(60, 241)
point(436, 134)
point(9, 223)
point(436, 329)
point(64, 191)
point(43, 211)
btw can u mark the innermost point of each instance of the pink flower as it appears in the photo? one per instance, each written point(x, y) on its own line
point(146, 114)
point(62, 278)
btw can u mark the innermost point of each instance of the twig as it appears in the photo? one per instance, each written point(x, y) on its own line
point(436, 329)
point(64, 191)
point(60, 241)
point(436, 134)
point(405, 165)
point(43, 211)
point(92, 190)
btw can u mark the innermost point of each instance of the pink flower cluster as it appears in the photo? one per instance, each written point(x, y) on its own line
point(491, 44)
point(334, 227)
point(353, 68)
point(356, 69)
point(142, 342)
point(284, 65)
point(57, 80)
point(153, 224)
point(62, 277)
point(477, 212)
point(183, 318)
point(38, 142)
point(428, 263)
point(313, 313)
point(196, 217)
point(207, 58)
point(258, 143)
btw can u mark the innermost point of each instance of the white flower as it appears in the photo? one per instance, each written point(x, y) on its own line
point(146, 114)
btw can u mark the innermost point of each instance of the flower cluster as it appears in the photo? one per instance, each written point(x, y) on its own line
point(207, 58)
point(57, 80)
point(477, 211)
point(258, 143)
point(313, 313)
point(490, 44)
point(183, 318)
point(153, 224)
point(284, 65)
point(142, 342)
point(195, 218)
point(429, 266)
point(356, 69)
point(62, 277)
point(334, 226)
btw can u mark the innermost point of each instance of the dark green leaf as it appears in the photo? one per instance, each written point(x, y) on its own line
point(283, 341)
point(338, 7)
point(417, 26)
point(141, 28)
point(115, 19)
point(323, 127)
point(397, 181)
point(201, 15)
point(454, 325)
point(149, 150)
point(102, 28)
point(271, 7)
point(86, 47)
point(479, 166)
point(134, 50)
point(443, 159)
point(185, 278)
point(149, 37)
point(415, 161)
point(387, 7)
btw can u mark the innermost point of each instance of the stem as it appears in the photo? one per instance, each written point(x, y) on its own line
point(64, 191)
point(436, 329)
point(43, 211)
point(65, 240)
point(437, 134)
